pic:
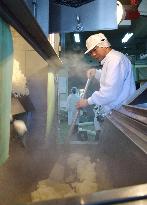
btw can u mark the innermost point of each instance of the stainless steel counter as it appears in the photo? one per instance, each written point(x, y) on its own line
point(121, 160)
point(133, 195)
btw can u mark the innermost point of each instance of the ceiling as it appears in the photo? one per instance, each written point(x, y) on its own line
point(73, 3)
point(77, 3)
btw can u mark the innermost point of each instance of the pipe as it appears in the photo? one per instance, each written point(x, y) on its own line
point(34, 2)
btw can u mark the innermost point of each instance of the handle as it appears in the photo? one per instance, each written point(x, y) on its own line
point(86, 87)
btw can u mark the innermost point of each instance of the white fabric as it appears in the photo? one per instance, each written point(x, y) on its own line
point(20, 127)
point(98, 74)
point(96, 122)
point(97, 40)
point(116, 82)
point(71, 107)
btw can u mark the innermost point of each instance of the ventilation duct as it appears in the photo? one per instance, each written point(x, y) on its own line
point(88, 17)
point(73, 3)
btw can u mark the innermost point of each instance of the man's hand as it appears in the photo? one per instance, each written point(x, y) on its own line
point(82, 103)
point(91, 73)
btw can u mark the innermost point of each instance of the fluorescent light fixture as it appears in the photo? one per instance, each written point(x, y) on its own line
point(127, 37)
point(77, 37)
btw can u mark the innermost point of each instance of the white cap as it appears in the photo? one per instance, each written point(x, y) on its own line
point(97, 40)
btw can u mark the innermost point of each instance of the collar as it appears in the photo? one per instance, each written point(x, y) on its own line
point(106, 57)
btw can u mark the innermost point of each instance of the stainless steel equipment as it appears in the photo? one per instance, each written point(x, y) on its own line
point(133, 195)
point(122, 154)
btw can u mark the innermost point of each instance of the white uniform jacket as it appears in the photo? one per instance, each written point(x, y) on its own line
point(71, 107)
point(116, 81)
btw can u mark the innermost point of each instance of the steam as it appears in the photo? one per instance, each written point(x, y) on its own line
point(75, 64)
point(54, 64)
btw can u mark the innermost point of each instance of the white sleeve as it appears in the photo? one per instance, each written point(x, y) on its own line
point(111, 85)
point(98, 74)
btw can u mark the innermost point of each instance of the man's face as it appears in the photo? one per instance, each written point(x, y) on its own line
point(98, 53)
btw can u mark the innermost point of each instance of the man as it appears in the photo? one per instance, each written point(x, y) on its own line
point(116, 76)
point(72, 99)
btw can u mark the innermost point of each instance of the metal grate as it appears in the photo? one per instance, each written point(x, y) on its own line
point(72, 3)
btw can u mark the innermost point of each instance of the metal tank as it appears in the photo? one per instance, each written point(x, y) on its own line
point(121, 155)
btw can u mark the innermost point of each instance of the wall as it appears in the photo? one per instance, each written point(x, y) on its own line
point(36, 71)
point(29, 60)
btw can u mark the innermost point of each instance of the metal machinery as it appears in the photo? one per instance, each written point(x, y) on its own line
point(122, 154)
point(122, 148)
